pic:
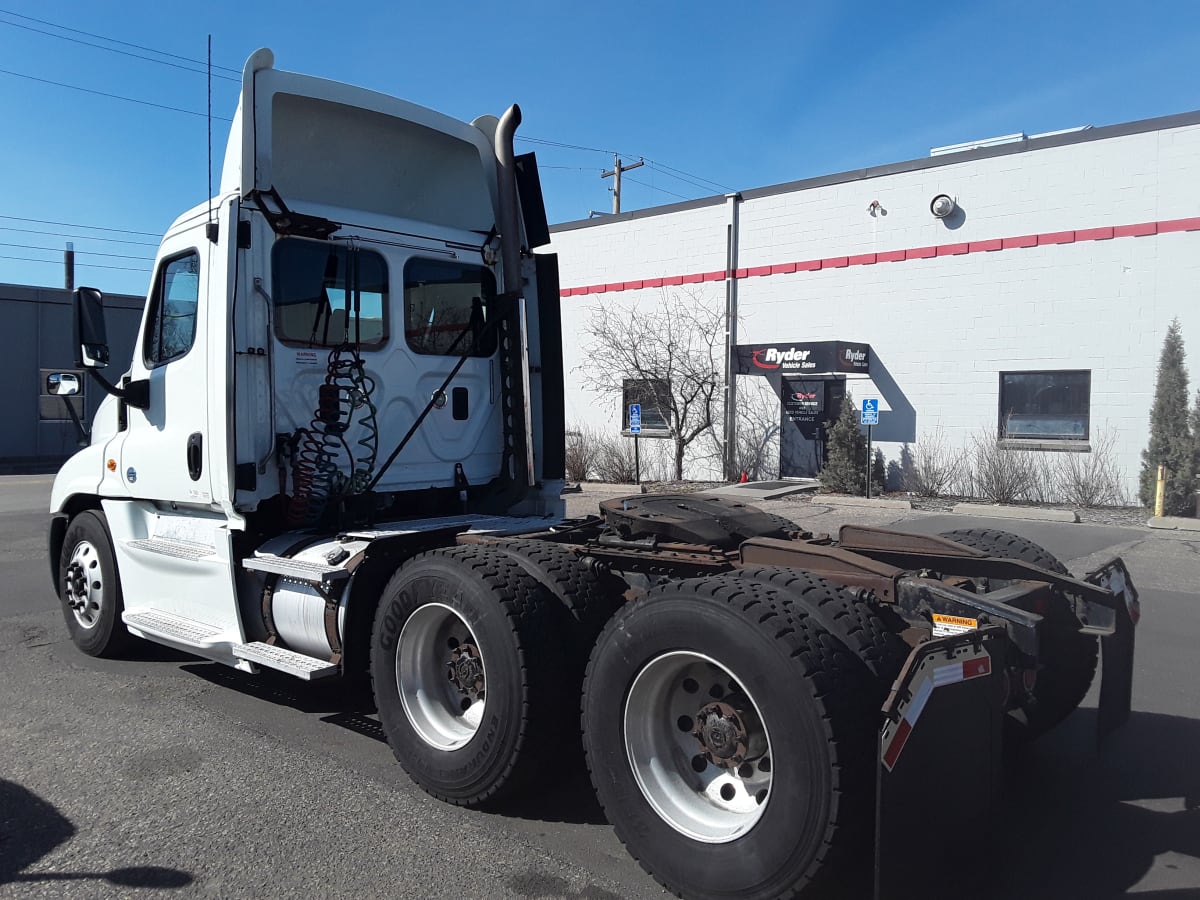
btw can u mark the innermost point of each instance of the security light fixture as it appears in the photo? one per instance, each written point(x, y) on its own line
point(942, 205)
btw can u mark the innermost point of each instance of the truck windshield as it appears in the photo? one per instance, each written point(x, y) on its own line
point(327, 295)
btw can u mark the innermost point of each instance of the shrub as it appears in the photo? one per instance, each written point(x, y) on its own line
point(999, 473)
point(1091, 479)
point(582, 449)
point(931, 468)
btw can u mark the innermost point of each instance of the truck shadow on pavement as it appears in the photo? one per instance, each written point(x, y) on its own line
point(1075, 822)
point(568, 797)
point(31, 829)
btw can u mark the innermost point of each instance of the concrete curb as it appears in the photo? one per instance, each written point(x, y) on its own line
point(1174, 523)
point(1016, 512)
point(875, 503)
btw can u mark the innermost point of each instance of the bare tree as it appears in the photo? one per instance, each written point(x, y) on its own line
point(757, 450)
point(675, 350)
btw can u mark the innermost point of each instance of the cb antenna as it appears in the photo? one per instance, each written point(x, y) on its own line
point(210, 229)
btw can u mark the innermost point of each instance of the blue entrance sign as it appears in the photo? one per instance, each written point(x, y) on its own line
point(870, 412)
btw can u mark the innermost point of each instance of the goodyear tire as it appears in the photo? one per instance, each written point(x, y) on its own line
point(589, 597)
point(868, 630)
point(466, 664)
point(1068, 658)
point(89, 587)
point(727, 744)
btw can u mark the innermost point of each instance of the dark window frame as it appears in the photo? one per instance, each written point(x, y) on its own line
point(1003, 416)
point(154, 309)
point(353, 255)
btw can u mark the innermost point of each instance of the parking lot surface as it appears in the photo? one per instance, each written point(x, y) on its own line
point(164, 775)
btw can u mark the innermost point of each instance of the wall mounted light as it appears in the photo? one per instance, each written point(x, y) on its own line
point(942, 206)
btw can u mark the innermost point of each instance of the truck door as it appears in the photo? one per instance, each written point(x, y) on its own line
point(165, 453)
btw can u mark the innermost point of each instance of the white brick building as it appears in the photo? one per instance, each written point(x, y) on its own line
point(1067, 253)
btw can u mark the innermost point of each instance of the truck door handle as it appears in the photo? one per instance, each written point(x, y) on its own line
point(195, 459)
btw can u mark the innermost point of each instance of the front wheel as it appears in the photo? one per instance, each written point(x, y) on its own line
point(90, 589)
point(727, 744)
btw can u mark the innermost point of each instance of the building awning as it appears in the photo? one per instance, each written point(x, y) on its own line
point(804, 358)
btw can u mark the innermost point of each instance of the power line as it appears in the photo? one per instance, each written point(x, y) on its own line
point(661, 190)
point(76, 87)
point(78, 237)
point(101, 37)
point(669, 171)
point(55, 262)
point(161, 62)
point(77, 225)
point(87, 252)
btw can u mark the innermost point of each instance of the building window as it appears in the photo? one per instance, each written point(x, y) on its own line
point(1045, 406)
point(446, 308)
point(653, 395)
point(171, 324)
point(327, 295)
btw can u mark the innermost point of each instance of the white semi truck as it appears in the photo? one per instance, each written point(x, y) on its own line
point(338, 452)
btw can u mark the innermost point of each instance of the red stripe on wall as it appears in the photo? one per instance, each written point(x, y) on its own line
point(1105, 233)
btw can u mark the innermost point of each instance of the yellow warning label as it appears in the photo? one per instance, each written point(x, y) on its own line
point(944, 626)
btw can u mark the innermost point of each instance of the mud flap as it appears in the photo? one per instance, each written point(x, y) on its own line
point(940, 761)
point(1116, 684)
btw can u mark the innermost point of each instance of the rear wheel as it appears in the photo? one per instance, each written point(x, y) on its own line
point(727, 744)
point(90, 589)
point(466, 665)
point(1068, 658)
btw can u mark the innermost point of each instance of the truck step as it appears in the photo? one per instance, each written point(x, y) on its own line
point(306, 667)
point(173, 547)
point(299, 570)
point(159, 624)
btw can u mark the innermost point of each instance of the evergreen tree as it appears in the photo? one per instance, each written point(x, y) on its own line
point(1170, 438)
point(845, 452)
point(1194, 423)
point(878, 473)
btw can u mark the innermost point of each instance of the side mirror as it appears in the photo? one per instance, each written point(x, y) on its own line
point(90, 336)
point(62, 385)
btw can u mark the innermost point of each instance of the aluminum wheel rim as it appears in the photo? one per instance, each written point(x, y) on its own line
point(84, 585)
point(712, 803)
point(439, 711)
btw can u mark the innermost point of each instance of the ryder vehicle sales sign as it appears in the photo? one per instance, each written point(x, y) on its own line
point(804, 358)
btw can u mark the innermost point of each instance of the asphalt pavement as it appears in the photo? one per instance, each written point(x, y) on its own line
point(164, 775)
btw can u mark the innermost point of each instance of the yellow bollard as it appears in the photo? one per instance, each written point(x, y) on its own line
point(1159, 491)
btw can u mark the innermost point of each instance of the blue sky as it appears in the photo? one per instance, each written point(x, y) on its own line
point(717, 95)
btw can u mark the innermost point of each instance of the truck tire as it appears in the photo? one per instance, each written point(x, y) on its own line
point(467, 656)
point(590, 598)
point(89, 587)
point(727, 744)
point(1068, 658)
point(870, 631)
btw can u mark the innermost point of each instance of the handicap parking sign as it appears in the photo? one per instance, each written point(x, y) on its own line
point(870, 412)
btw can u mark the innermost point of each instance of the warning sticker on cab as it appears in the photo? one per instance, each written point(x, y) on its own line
point(307, 358)
point(945, 626)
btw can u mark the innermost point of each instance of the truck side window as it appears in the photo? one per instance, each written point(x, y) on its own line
point(171, 323)
point(446, 305)
point(327, 295)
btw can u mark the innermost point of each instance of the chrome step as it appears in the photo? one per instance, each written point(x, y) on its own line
point(306, 667)
point(300, 570)
point(156, 623)
point(173, 547)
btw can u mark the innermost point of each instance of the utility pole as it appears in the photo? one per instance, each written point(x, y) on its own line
point(616, 171)
point(69, 265)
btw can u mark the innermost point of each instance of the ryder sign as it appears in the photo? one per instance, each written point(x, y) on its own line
point(804, 358)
